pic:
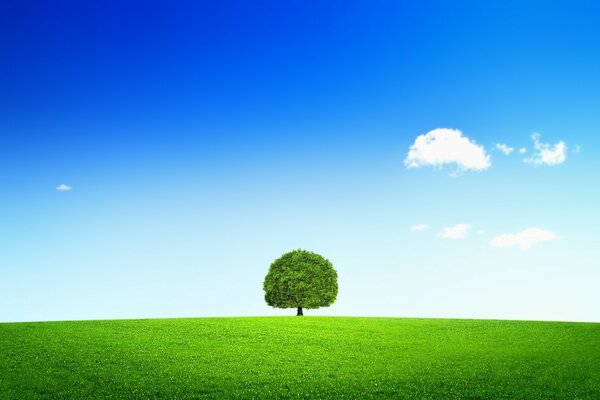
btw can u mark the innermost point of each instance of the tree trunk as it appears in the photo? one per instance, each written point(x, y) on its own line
point(299, 312)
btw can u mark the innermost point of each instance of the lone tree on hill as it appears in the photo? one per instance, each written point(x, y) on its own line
point(300, 279)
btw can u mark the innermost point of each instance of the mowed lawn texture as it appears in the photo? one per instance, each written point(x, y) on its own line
point(300, 357)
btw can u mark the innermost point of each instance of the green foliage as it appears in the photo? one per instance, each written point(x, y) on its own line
point(300, 278)
point(271, 358)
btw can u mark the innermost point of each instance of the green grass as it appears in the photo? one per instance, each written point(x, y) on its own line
point(300, 357)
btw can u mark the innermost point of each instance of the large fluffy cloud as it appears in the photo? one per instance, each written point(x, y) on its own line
point(546, 154)
point(524, 239)
point(447, 146)
point(458, 231)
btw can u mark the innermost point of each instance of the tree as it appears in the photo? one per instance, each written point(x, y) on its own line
point(300, 279)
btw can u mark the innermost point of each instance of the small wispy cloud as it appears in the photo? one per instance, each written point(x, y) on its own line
point(522, 150)
point(546, 154)
point(444, 146)
point(458, 231)
point(504, 148)
point(524, 240)
point(419, 227)
point(63, 188)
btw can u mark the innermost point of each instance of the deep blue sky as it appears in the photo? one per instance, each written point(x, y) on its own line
point(203, 139)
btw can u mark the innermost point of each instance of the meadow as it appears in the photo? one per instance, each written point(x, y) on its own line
point(300, 357)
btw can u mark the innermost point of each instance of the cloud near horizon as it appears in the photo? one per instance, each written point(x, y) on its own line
point(546, 154)
point(458, 231)
point(525, 239)
point(444, 146)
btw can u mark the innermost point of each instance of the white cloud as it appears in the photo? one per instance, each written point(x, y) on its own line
point(480, 232)
point(522, 150)
point(505, 148)
point(524, 240)
point(546, 153)
point(63, 188)
point(458, 231)
point(447, 146)
point(419, 227)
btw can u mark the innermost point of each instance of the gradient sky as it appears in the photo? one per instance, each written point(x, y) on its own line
point(202, 140)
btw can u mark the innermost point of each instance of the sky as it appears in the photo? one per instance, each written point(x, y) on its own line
point(155, 158)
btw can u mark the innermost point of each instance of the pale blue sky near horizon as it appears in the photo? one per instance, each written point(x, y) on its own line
point(201, 141)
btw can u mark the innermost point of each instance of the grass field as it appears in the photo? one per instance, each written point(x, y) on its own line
point(300, 357)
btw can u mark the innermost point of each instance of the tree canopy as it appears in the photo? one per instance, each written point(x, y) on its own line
point(301, 279)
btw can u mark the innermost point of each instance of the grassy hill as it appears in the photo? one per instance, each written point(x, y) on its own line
point(300, 357)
